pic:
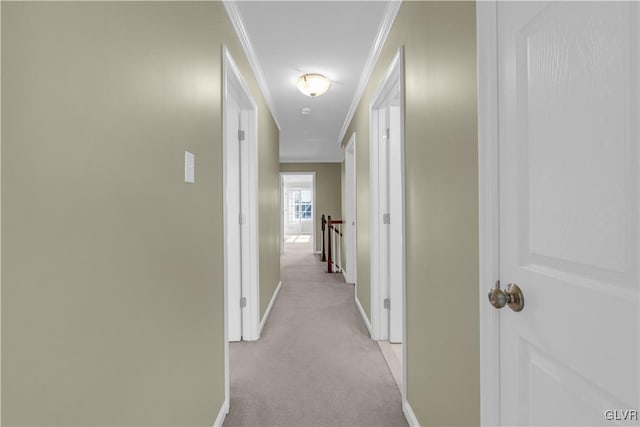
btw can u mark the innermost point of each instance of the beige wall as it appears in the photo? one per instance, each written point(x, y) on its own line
point(269, 208)
point(112, 287)
point(328, 191)
point(441, 207)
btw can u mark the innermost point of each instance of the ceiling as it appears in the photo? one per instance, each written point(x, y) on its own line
point(285, 39)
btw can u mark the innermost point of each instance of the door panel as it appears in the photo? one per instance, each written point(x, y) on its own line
point(232, 243)
point(568, 136)
point(396, 229)
point(350, 212)
point(383, 200)
point(557, 394)
point(573, 111)
point(245, 209)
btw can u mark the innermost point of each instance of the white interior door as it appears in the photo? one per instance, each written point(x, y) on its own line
point(396, 224)
point(233, 242)
point(387, 206)
point(241, 257)
point(569, 225)
point(245, 235)
point(384, 220)
point(349, 231)
point(391, 226)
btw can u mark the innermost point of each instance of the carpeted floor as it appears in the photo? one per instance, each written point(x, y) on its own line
point(315, 365)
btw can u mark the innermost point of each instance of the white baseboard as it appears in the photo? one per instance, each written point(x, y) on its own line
point(409, 415)
point(317, 252)
point(224, 410)
point(268, 310)
point(364, 316)
point(345, 277)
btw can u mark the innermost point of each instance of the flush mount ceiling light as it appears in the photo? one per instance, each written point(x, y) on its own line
point(313, 84)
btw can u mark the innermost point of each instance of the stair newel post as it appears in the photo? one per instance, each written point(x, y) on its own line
point(324, 222)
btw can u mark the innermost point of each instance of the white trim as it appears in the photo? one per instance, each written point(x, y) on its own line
point(373, 224)
point(222, 413)
point(281, 214)
point(409, 414)
point(0, 223)
point(374, 53)
point(268, 310)
point(351, 242)
point(313, 213)
point(251, 317)
point(247, 46)
point(488, 209)
point(362, 313)
point(225, 256)
point(253, 297)
point(377, 300)
point(395, 73)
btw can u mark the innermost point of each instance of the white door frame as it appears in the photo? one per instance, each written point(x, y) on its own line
point(488, 209)
point(313, 207)
point(393, 77)
point(281, 204)
point(234, 90)
point(351, 273)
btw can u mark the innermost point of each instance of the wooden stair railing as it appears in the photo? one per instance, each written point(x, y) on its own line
point(324, 223)
point(334, 245)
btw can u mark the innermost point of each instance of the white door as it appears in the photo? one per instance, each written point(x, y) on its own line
point(396, 223)
point(568, 128)
point(391, 229)
point(349, 231)
point(387, 206)
point(237, 201)
point(245, 235)
point(233, 242)
point(240, 206)
point(384, 219)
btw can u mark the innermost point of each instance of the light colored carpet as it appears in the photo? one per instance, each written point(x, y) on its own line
point(315, 365)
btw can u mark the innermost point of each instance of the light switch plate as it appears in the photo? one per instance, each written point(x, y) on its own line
point(189, 167)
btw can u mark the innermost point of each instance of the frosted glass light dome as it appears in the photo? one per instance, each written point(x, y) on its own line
point(313, 84)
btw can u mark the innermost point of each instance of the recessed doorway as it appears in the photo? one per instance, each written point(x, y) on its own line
point(387, 236)
point(297, 211)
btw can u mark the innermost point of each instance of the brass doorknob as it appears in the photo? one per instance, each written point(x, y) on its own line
point(512, 296)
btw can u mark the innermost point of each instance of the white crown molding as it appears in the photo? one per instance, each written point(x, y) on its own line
point(383, 32)
point(236, 21)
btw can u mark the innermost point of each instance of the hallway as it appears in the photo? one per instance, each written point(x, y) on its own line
point(315, 364)
point(481, 160)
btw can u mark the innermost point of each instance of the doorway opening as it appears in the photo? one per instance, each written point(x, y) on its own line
point(297, 220)
point(241, 208)
point(387, 220)
point(240, 160)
